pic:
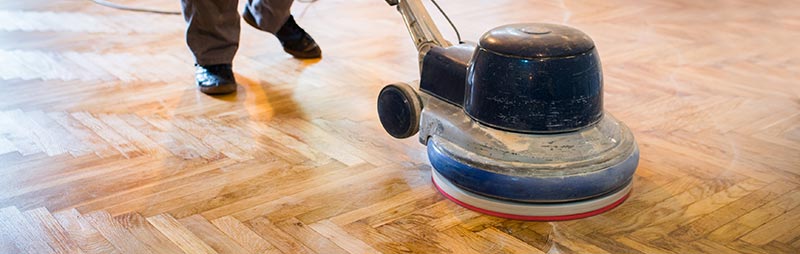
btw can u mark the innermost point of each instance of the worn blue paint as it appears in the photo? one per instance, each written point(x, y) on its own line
point(532, 189)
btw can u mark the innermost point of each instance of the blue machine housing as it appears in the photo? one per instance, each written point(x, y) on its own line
point(530, 78)
point(531, 189)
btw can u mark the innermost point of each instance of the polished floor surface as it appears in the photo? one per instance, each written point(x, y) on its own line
point(106, 146)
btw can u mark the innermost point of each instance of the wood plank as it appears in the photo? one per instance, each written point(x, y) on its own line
point(106, 133)
point(469, 242)
point(26, 237)
point(82, 133)
point(507, 243)
point(146, 190)
point(179, 235)
point(383, 206)
point(132, 134)
point(115, 233)
point(56, 236)
point(786, 223)
point(748, 222)
point(194, 192)
point(83, 233)
point(261, 182)
point(701, 227)
point(642, 247)
point(277, 237)
point(341, 238)
point(310, 238)
point(209, 234)
point(211, 139)
point(244, 236)
point(22, 140)
point(52, 130)
point(266, 202)
point(146, 233)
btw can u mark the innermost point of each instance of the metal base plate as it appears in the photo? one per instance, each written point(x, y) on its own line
point(530, 211)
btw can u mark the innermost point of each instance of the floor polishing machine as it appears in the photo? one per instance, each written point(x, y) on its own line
point(514, 125)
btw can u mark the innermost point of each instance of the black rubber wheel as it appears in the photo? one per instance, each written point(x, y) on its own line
point(399, 109)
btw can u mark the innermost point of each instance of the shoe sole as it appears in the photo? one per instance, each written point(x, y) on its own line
point(218, 90)
point(316, 52)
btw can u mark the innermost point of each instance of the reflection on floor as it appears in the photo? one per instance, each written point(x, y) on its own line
point(106, 146)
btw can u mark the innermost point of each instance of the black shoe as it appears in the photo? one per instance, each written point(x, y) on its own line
point(215, 79)
point(296, 41)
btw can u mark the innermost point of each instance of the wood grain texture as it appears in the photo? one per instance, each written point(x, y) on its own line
point(146, 233)
point(244, 236)
point(106, 146)
point(83, 233)
point(211, 235)
point(119, 236)
point(27, 238)
point(55, 235)
point(179, 234)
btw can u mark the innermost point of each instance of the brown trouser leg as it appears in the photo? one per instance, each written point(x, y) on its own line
point(213, 25)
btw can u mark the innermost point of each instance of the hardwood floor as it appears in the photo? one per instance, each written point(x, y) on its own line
point(107, 147)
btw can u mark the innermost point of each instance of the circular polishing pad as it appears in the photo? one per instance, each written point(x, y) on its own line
point(530, 211)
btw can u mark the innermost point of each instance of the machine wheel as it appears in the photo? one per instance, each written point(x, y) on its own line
point(399, 109)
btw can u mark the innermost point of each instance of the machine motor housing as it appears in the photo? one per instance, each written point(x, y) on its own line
point(528, 78)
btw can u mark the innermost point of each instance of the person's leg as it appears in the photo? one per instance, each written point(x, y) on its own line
point(273, 16)
point(212, 35)
point(267, 15)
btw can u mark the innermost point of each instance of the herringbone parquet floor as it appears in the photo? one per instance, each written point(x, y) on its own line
point(106, 146)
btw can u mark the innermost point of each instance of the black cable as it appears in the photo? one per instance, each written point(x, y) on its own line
point(129, 8)
point(448, 21)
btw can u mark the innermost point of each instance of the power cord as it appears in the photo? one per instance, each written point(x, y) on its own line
point(448, 20)
point(137, 9)
point(130, 8)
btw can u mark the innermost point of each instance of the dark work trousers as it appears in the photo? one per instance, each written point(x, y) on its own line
point(213, 25)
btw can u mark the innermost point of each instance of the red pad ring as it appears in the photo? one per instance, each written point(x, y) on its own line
point(533, 218)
